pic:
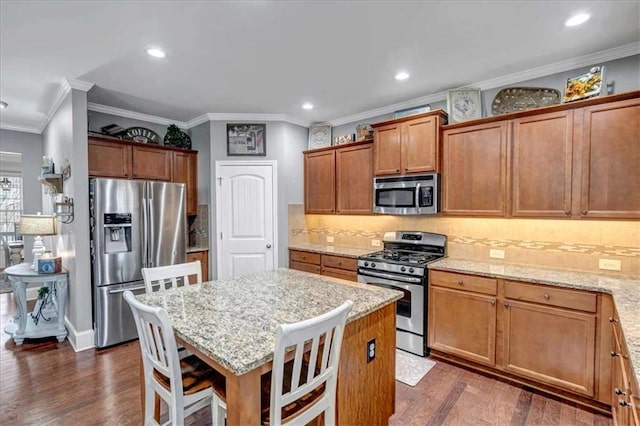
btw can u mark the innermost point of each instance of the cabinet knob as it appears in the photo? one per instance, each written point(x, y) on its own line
point(623, 403)
point(339, 263)
point(611, 319)
point(614, 353)
point(406, 169)
point(584, 212)
point(506, 305)
point(619, 392)
point(135, 175)
point(461, 282)
point(546, 296)
point(397, 170)
point(493, 302)
point(567, 212)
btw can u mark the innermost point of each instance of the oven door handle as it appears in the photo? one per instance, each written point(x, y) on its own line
point(390, 277)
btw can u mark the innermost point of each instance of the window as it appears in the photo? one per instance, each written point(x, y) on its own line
point(10, 205)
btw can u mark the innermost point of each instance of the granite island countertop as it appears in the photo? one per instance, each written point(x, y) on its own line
point(624, 289)
point(234, 321)
point(335, 250)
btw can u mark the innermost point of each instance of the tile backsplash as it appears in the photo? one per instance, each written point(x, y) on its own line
point(573, 244)
point(199, 228)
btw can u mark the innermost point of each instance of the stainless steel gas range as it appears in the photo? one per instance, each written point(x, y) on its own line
point(403, 266)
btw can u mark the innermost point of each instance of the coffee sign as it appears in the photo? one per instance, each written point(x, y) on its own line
point(141, 134)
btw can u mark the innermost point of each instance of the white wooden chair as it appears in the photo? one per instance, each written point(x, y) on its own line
point(304, 398)
point(176, 275)
point(186, 385)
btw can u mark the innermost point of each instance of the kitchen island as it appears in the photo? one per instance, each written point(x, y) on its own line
point(231, 325)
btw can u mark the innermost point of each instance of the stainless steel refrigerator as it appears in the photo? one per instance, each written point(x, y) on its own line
point(134, 224)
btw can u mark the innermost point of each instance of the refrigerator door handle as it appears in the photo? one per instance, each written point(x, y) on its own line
point(151, 239)
point(145, 226)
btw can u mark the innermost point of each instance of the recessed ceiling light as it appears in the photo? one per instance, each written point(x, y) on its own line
point(156, 53)
point(578, 19)
point(402, 75)
point(307, 105)
point(3, 105)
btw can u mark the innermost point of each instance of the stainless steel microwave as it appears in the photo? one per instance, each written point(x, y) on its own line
point(407, 195)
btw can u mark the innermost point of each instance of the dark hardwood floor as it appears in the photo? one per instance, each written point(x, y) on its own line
point(44, 382)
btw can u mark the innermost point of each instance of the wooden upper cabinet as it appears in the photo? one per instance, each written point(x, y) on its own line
point(541, 155)
point(474, 170)
point(185, 170)
point(109, 160)
point(408, 145)
point(151, 163)
point(611, 160)
point(319, 181)
point(354, 179)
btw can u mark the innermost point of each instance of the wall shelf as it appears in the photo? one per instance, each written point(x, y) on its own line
point(52, 182)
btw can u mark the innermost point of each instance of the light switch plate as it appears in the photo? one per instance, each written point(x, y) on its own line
point(375, 243)
point(329, 239)
point(496, 254)
point(610, 264)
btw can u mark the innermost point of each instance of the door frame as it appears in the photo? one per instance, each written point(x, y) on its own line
point(274, 191)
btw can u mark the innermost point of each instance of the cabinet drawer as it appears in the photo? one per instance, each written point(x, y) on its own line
point(304, 256)
point(340, 262)
point(305, 267)
point(340, 273)
point(464, 282)
point(546, 295)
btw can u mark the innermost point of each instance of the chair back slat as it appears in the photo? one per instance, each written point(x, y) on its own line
point(175, 275)
point(331, 326)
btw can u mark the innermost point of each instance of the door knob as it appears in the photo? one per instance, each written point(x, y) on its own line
point(269, 246)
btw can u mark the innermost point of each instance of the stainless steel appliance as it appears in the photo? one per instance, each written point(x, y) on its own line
point(134, 224)
point(406, 195)
point(403, 266)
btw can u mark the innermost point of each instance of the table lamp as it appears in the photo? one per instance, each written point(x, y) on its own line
point(38, 225)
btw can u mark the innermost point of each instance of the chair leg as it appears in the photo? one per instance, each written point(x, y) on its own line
point(330, 416)
point(218, 413)
point(149, 407)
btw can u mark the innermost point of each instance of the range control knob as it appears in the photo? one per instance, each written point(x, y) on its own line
point(403, 269)
point(411, 270)
point(366, 263)
point(373, 265)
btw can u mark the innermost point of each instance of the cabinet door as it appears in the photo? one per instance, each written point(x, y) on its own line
point(420, 145)
point(203, 257)
point(319, 182)
point(354, 180)
point(340, 273)
point(386, 141)
point(474, 170)
point(109, 159)
point(462, 324)
point(550, 345)
point(542, 153)
point(185, 170)
point(304, 267)
point(611, 160)
point(151, 163)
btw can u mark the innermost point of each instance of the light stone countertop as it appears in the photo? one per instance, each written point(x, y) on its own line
point(234, 321)
point(196, 248)
point(336, 250)
point(624, 289)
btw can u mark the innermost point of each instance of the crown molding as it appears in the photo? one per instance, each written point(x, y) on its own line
point(223, 116)
point(85, 86)
point(530, 74)
point(197, 121)
point(25, 129)
point(63, 90)
point(134, 115)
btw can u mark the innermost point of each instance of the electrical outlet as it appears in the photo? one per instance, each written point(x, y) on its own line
point(371, 350)
point(496, 254)
point(375, 243)
point(610, 264)
point(329, 239)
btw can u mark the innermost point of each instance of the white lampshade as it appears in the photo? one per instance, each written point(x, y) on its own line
point(31, 224)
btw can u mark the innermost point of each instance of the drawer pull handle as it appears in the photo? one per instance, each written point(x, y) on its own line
point(339, 263)
point(546, 296)
point(614, 353)
point(611, 319)
point(506, 305)
point(493, 302)
point(619, 392)
point(584, 212)
point(461, 282)
point(623, 403)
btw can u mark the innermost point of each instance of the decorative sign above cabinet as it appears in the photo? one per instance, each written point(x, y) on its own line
point(141, 134)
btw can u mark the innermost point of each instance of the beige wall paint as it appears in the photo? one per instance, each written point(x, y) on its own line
point(572, 244)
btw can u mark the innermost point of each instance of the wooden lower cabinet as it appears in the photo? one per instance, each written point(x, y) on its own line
point(625, 393)
point(541, 335)
point(342, 267)
point(203, 257)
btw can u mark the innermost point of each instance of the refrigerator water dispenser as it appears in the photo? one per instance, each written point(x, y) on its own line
point(117, 232)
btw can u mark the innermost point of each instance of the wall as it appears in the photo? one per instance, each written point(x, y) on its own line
point(284, 144)
point(30, 146)
point(623, 73)
point(570, 244)
point(66, 137)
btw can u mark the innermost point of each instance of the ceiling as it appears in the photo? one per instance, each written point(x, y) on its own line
point(270, 57)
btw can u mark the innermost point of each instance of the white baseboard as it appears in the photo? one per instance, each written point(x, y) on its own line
point(80, 341)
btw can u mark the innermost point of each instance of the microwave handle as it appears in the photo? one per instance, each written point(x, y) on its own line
point(417, 200)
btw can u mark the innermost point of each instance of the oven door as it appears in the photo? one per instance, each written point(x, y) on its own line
point(410, 309)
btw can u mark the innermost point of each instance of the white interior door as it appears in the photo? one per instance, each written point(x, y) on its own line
point(246, 217)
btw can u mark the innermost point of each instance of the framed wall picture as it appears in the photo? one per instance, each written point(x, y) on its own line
point(319, 136)
point(247, 139)
point(464, 104)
